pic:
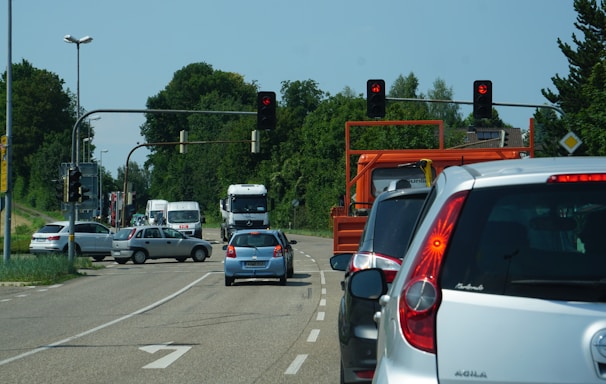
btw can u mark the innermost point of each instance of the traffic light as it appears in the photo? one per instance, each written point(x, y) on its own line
point(73, 185)
point(482, 99)
point(375, 98)
point(61, 189)
point(81, 194)
point(266, 110)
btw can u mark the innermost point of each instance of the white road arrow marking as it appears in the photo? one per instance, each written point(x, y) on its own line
point(179, 350)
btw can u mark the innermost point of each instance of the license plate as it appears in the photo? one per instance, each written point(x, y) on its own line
point(255, 264)
point(115, 253)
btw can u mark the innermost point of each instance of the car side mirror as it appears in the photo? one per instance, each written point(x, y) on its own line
point(224, 247)
point(292, 241)
point(369, 284)
point(340, 261)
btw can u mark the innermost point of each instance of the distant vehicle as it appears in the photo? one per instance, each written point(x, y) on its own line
point(259, 253)
point(503, 281)
point(184, 216)
point(154, 242)
point(156, 210)
point(386, 234)
point(90, 239)
point(245, 207)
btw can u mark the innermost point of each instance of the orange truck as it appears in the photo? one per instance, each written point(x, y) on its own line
point(380, 170)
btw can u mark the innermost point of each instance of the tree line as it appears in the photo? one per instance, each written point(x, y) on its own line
point(303, 158)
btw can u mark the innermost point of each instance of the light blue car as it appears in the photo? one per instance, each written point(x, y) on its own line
point(258, 254)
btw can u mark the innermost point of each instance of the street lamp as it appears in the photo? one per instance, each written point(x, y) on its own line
point(73, 40)
point(101, 152)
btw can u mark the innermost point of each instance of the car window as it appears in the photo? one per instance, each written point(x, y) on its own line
point(122, 234)
point(395, 220)
point(84, 228)
point(255, 240)
point(152, 233)
point(51, 228)
point(534, 241)
point(100, 229)
point(172, 234)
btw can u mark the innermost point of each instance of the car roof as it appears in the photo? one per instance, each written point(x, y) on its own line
point(244, 231)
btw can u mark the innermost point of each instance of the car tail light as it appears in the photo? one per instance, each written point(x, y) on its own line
point(577, 178)
point(420, 297)
point(278, 251)
point(366, 260)
point(53, 238)
point(365, 375)
point(231, 251)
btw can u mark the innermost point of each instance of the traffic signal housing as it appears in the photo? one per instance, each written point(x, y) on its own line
point(266, 110)
point(482, 99)
point(61, 190)
point(81, 194)
point(375, 98)
point(73, 184)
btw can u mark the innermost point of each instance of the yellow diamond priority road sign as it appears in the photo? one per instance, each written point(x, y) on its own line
point(571, 142)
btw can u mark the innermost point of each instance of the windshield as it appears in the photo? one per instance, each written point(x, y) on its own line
point(249, 204)
point(188, 216)
point(543, 241)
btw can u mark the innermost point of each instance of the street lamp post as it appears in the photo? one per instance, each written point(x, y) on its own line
point(73, 40)
point(101, 152)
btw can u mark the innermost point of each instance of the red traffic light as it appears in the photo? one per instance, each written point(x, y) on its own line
point(376, 88)
point(482, 89)
point(266, 101)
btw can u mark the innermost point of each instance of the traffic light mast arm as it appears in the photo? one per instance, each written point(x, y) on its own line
point(552, 107)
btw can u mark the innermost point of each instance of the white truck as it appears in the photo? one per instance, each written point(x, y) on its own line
point(245, 207)
point(156, 210)
point(184, 216)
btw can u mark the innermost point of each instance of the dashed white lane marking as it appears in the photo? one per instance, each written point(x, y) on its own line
point(294, 367)
point(322, 302)
point(320, 316)
point(313, 336)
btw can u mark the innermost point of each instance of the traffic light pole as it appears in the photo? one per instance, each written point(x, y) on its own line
point(552, 107)
point(74, 156)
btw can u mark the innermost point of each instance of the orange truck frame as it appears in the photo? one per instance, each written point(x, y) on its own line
point(349, 220)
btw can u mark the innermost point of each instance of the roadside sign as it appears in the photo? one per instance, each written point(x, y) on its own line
point(571, 142)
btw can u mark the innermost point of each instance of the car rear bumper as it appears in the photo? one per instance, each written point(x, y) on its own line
point(122, 253)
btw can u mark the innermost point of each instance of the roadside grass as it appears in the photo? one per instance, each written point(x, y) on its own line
point(45, 270)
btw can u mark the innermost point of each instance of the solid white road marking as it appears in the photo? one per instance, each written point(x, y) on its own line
point(178, 351)
point(296, 364)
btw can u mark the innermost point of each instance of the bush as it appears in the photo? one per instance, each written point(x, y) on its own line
point(42, 270)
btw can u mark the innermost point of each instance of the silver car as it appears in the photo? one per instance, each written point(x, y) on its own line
point(155, 242)
point(90, 239)
point(504, 280)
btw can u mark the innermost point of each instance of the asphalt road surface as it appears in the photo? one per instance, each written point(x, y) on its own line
point(170, 322)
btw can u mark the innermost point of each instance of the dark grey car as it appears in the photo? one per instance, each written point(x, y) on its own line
point(154, 242)
point(382, 245)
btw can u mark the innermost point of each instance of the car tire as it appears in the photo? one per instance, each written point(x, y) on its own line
point(199, 254)
point(181, 259)
point(139, 257)
point(98, 258)
point(121, 261)
point(283, 280)
point(229, 281)
point(290, 272)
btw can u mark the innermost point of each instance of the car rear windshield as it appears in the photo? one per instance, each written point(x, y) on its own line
point(542, 241)
point(255, 240)
point(123, 234)
point(395, 220)
point(51, 228)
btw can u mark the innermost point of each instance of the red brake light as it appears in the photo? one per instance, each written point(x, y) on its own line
point(231, 251)
point(577, 178)
point(53, 238)
point(278, 251)
point(420, 297)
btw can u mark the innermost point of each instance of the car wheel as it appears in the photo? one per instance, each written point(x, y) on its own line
point(229, 281)
point(283, 280)
point(139, 257)
point(98, 258)
point(199, 254)
point(121, 261)
point(290, 272)
point(342, 375)
point(181, 259)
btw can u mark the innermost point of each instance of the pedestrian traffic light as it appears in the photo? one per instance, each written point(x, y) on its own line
point(61, 189)
point(266, 110)
point(482, 99)
point(73, 187)
point(375, 98)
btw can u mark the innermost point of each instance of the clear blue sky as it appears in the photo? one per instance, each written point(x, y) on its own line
point(138, 45)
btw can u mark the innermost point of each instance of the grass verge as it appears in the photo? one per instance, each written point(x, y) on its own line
point(44, 270)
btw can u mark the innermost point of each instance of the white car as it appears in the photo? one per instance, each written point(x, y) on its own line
point(90, 239)
point(504, 280)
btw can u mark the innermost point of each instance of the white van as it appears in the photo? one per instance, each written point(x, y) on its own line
point(184, 216)
point(156, 210)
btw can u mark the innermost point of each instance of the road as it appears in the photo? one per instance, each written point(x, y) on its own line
point(170, 322)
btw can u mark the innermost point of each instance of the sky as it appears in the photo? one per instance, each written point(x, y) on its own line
point(138, 45)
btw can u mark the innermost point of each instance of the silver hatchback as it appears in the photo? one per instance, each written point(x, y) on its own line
point(504, 280)
point(154, 242)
